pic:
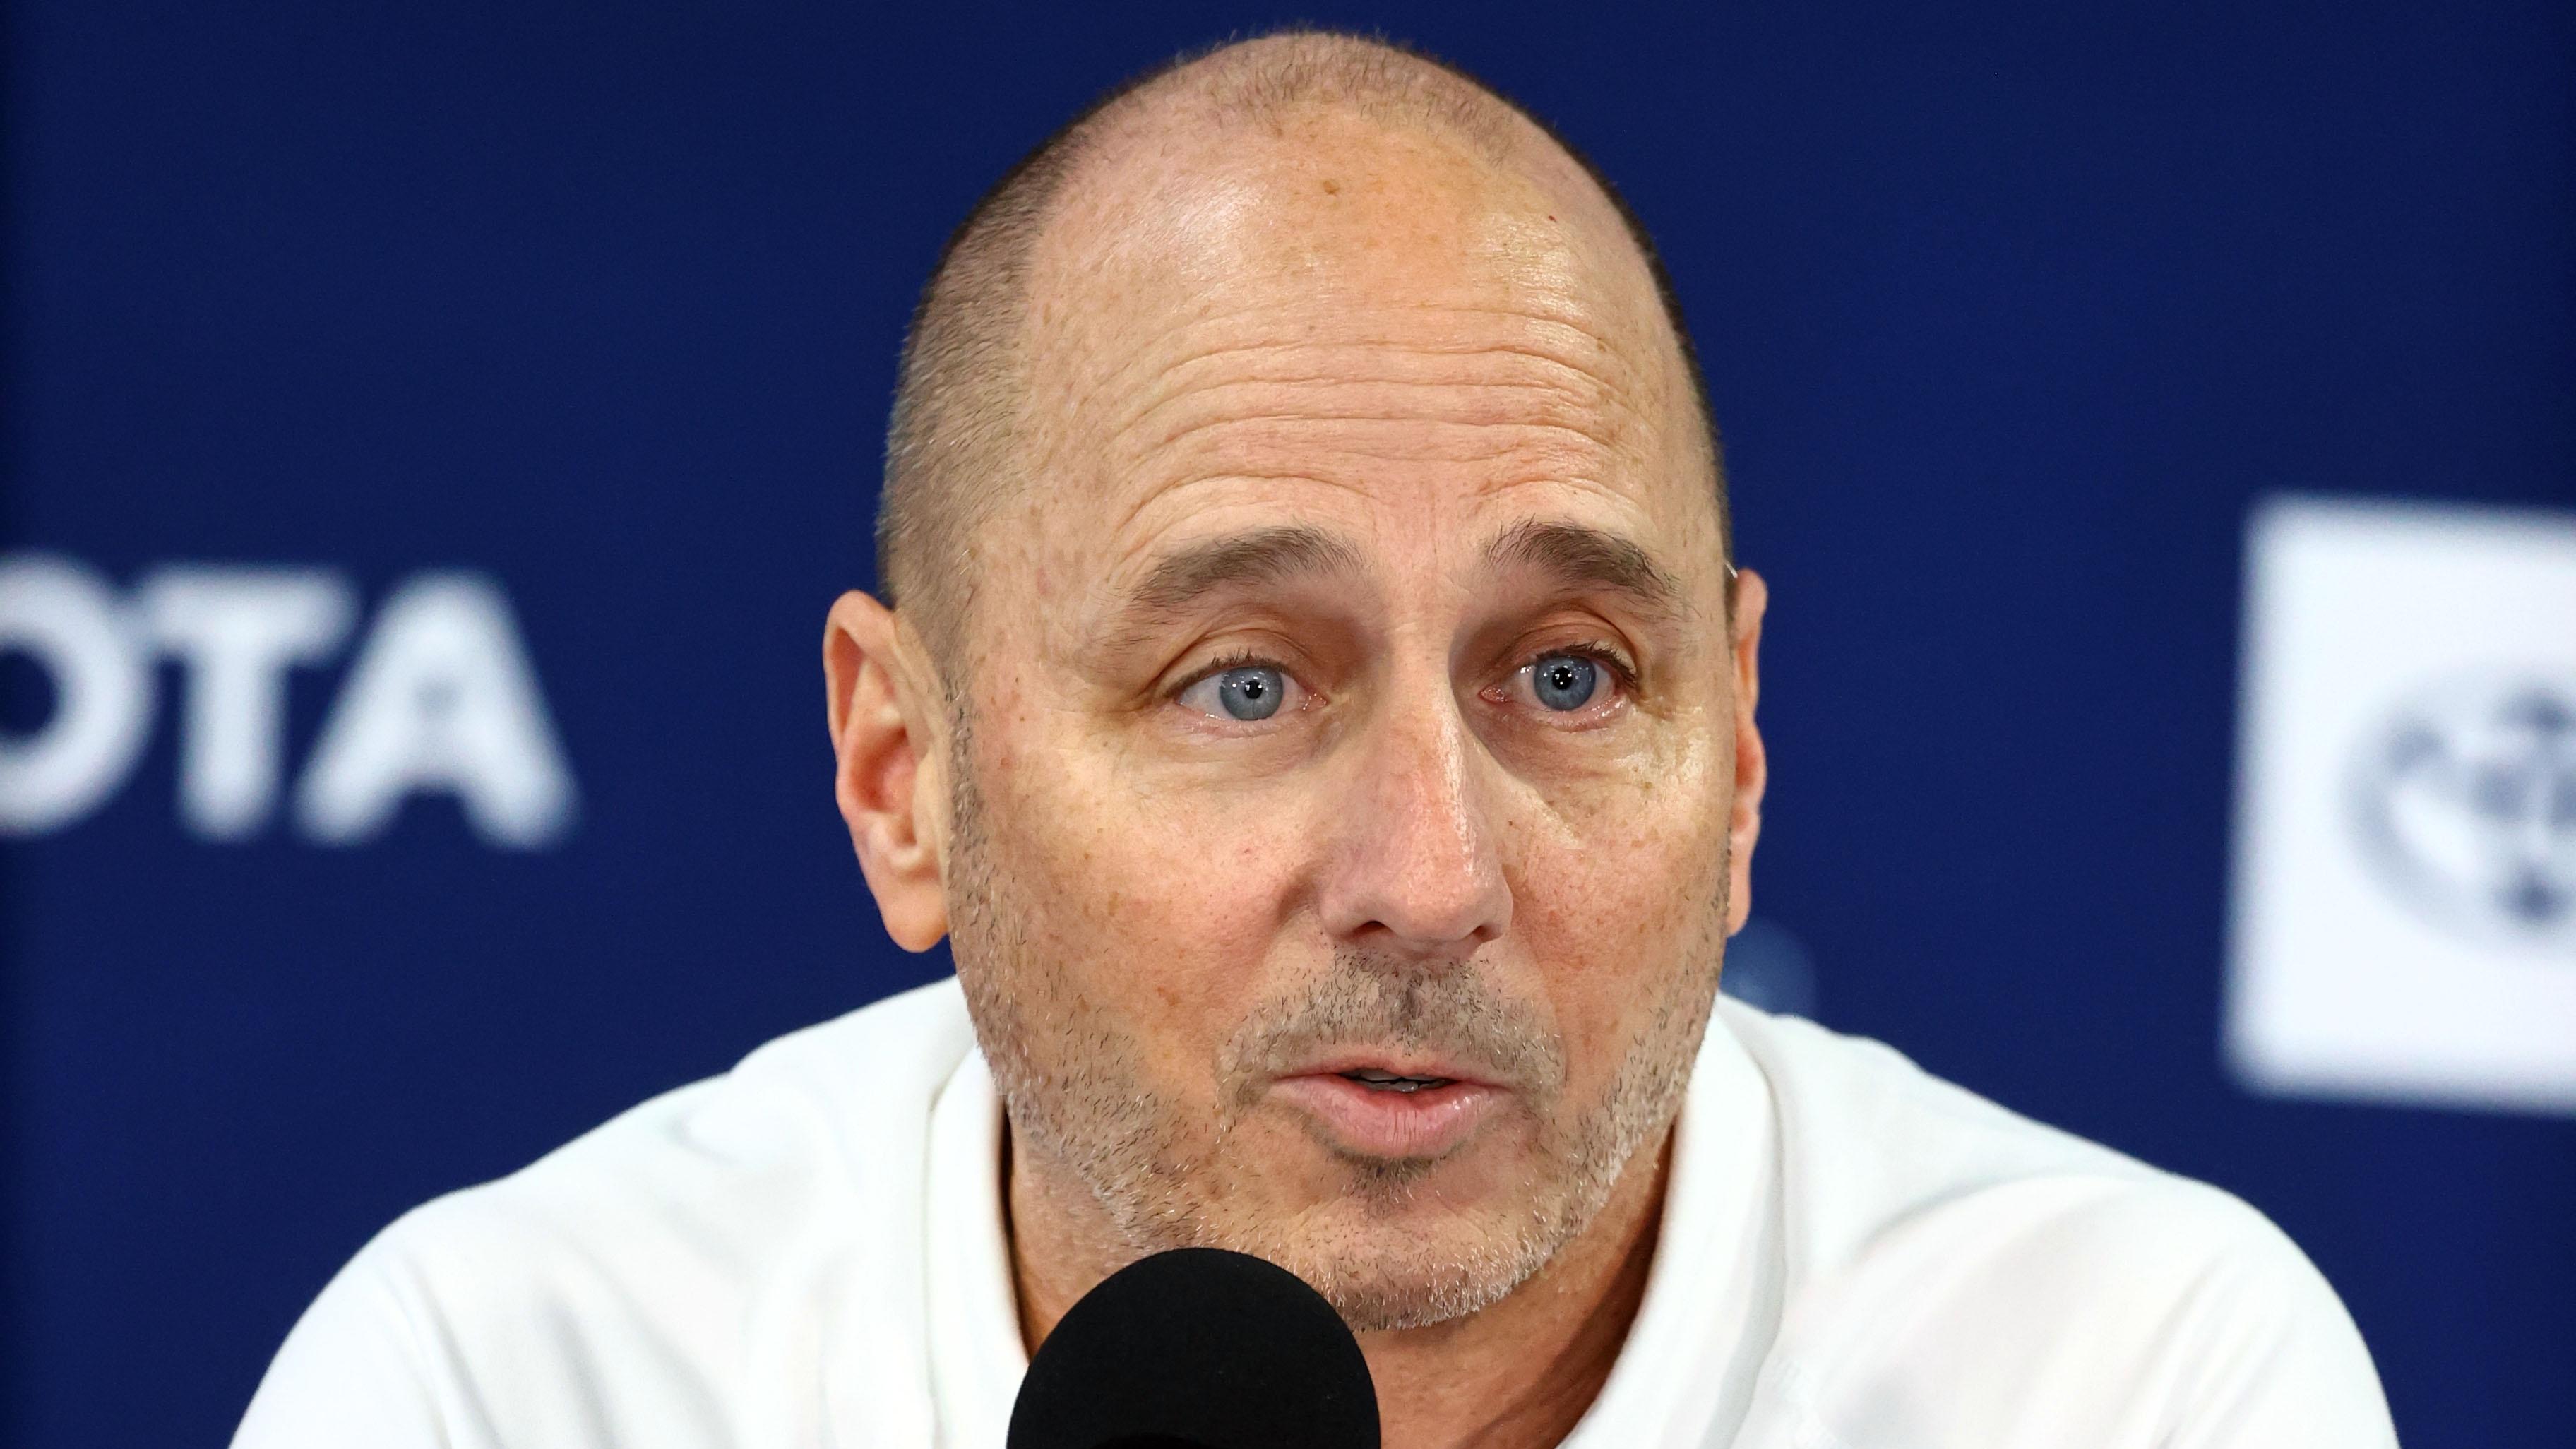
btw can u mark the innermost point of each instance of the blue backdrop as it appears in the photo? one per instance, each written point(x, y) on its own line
point(2010, 313)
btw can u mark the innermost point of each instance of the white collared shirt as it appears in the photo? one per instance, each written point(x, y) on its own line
point(810, 1250)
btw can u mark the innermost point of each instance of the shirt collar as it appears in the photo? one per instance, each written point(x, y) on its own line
point(1685, 1376)
point(976, 1356)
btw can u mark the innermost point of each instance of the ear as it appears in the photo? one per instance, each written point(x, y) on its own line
point(888, 736)
point(1752, 765)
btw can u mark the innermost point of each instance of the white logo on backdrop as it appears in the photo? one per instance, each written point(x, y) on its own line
point(2405, 896)
point(2465, 802)
point(440, 699)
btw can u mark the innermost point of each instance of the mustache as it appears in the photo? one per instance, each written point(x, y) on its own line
point(1377, 999)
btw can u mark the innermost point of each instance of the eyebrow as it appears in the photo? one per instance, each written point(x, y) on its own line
point(1261, 556)
point(1585, 556)
point(1574, 553)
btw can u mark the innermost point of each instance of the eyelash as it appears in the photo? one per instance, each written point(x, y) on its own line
point(1239, 659)
point(1598, 652)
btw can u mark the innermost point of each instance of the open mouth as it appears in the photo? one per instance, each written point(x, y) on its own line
point(1380, 1081)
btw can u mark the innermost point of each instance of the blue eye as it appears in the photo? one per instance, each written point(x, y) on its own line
point(1565, 681)
point(1250, 692)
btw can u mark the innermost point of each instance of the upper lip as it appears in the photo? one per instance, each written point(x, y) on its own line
point(1400, 1064)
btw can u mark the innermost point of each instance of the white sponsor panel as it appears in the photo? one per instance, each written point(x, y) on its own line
point(441, 700)
point(2404, 913)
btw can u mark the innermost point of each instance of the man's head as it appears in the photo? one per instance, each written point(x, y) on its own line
point(1319, 706)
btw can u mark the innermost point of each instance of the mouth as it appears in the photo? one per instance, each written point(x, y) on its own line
point(1390, 1110)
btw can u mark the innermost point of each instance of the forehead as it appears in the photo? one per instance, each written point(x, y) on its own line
point(1332, 316)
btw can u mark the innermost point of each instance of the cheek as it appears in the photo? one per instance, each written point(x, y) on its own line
point(1161, 911)
point(1614, 901)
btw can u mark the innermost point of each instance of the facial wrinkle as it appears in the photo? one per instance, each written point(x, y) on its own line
point(1396, 355)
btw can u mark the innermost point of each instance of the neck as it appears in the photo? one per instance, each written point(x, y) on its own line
point(1516, 1375)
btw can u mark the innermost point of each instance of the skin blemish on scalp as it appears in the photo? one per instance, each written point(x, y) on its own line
point(1334, 188)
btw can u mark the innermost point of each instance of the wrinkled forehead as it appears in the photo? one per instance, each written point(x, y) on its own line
point(1214, 276)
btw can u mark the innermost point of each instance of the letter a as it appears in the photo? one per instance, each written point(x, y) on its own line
point(441, 699)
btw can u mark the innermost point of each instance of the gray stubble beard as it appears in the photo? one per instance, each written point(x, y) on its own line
point(1085, 1105)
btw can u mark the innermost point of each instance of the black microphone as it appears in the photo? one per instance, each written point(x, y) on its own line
point(1198, 1348)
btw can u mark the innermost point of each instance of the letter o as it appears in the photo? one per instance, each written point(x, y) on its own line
point(65, 616)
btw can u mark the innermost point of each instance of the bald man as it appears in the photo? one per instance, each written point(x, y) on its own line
point(1311, 690)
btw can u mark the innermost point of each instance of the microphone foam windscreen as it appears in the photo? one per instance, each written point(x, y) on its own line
point(1198, 1347)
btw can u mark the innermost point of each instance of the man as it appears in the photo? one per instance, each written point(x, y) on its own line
point(1314, 696)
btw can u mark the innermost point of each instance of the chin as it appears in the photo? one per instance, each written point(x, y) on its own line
point(1384, 1274)
point(1405, 1243)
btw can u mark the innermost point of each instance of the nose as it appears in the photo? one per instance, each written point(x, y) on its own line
point(1416, 866)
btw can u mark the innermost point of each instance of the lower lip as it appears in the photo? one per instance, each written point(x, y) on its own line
point(1370, 1122)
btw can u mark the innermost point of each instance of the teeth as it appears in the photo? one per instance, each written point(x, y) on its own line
point(1389, 1081)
